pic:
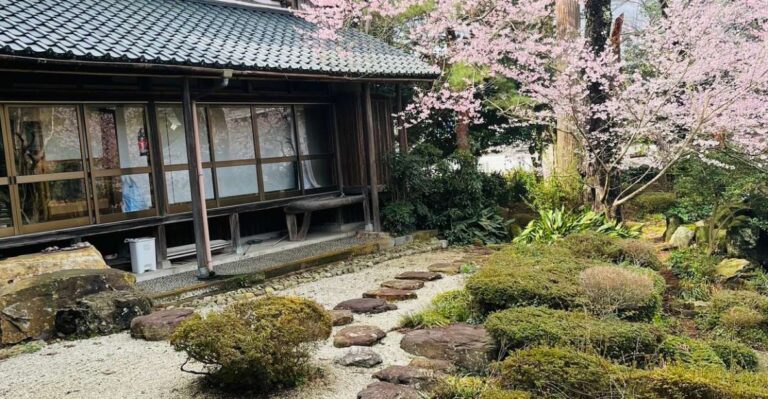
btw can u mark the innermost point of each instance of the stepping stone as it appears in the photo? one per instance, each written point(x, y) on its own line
point(469, 347)
point(406, 375)
point(359, 357)
point(390, 294)
point(159, 325)
point(366, 305)
point(341, 317)
point(403, 284)
point(358, 336)
point(442, 366)
point(447, 268)
point(388, 390)
point(423, 276)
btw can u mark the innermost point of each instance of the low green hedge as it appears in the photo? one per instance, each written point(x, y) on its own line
point(735, 355)
point(688, 351)
point(651, 202)
point(741, 315)
point(593, 245)
point(544, 275)
point(625, 342)
point(563, 373)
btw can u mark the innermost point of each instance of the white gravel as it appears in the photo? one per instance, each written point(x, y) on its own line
point(118, 366)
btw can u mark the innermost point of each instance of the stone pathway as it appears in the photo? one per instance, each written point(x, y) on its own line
point(120, 366)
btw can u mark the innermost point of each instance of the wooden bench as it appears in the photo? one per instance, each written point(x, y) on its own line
point(308, 206)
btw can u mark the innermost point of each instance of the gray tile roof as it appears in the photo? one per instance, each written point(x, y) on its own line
point(188, 32)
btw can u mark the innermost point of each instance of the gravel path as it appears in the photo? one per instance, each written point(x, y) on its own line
point(120, 367)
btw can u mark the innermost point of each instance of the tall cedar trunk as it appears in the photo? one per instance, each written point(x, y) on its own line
point(567, 147)
point(599, 181)
point(462, 133)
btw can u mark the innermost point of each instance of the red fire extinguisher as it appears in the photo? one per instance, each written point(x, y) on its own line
point(142, 143)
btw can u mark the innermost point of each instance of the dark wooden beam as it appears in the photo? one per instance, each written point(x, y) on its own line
point(373, 172)
point(196, 185)
point(402, 132)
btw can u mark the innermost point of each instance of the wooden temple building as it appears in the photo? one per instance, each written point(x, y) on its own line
point(189, 121)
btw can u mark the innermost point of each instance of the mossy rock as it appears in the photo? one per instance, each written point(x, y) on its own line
point(28, 307)
point(626, 342)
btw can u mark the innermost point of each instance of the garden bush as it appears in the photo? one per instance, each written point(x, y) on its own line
point(260, 345)
point(446, 308)
point(471, 387)
point(612, 290)
point(560, 373)
point(625, 342)
point(546, 275)
point(399, 218)
point(649, 203)
point(593, 245)
point(687, 351)
point(737, 314)
point(683, 382)
point(521, 275)
point(735, 355)
point(696, 271)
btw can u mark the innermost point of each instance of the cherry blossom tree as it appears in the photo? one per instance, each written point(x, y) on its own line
point(691, 81)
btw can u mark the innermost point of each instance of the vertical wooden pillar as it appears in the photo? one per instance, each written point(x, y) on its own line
point(373, 172)
point(402, 132)
point(161, 247)
point(234, 233)
point(196, 185)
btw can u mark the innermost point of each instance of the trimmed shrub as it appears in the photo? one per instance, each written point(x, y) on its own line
point(610, 289)
point(560, 373)
point(638, 253)
point(735, 355)
point(684, 350)
point(447, 307)
point(528, 275)
point(626, 342)
point(259, 345)
point(651, 202)
point(680, 382)
point(592, 245)
point(738, 314)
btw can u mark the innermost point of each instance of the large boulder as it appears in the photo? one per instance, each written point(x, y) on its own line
point(468, 347)
point(159, 325)
point(731, 268)
point(742, 241)
point(102, 313)
point(26, 266)
point(28, 307)
point(682, 237)
point(673, 222)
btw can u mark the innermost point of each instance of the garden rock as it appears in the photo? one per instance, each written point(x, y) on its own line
point(742, 241)
point(469, 347)
point(28, 307)
point(682, 237)
point(366, 305)
point(159, 325)
point(447, 268)
point(730, 269)
point(358, 336)
point(390, 294)
point(359, 357)
point(673, 222)
point(423, 276)
point(406, 375)
point(403, 284)
point(387, 390)
point(103, 313)
point(26, 266)
point(438, 365)
point(341, 317)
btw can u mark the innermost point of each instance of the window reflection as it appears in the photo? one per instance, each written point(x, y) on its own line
point(237, 180)
point(177, 185)
point(170, 125)
point(280, 176)
point(313, 129)
point(5, 207)
point(124, 194)
point(317, 173)
point(52, 200)
point(45, 139)
point(232, 133)
point(118, 137)
point(275, 126)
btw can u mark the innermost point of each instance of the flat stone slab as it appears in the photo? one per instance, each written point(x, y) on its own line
point(159, 325)
point(388, 390)
point(469, 347)
point(366, 305)
point(341, 317)
point(358, 336)
point(359, 357)
point(405, 375)
point(437, 365)
point(403, 284)
point(447, 268)
point(390, 294)
point(423, 276)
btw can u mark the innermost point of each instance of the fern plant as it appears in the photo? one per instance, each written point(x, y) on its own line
point(554, 224)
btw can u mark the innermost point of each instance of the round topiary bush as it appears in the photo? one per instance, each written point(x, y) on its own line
point(628, 292)
point(260, 345)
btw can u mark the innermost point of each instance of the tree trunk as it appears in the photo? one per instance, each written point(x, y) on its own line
point(462, 133)
point(566, 159)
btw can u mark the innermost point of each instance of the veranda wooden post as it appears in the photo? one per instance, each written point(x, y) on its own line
point(196, 185)
point(373, 172)
point(402, 132)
